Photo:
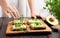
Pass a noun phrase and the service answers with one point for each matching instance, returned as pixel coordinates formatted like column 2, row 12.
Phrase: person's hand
column 11, row 11
column 35, row 15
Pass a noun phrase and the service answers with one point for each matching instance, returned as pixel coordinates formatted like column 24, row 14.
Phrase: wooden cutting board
column 10, row 31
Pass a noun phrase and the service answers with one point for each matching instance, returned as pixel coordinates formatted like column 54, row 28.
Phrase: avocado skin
column 48, row 23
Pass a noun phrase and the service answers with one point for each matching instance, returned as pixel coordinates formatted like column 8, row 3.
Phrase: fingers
column 33, row 16
column 38, row 16
column 11, row 13
column 43, row 18
column 8, row 14
column 17, row 13
column 14, row 12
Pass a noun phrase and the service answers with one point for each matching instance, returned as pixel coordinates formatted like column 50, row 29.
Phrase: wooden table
column 4, row 22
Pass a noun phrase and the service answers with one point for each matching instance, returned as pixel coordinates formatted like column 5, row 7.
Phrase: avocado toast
column 19, row 27
column 35, row 24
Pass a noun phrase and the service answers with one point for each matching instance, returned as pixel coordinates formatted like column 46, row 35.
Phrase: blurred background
column 23, row 7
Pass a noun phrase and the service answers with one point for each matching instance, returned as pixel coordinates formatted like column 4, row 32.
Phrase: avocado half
column 52, row 20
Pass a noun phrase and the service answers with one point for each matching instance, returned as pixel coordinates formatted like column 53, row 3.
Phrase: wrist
column 3, row 3
column 32, row 12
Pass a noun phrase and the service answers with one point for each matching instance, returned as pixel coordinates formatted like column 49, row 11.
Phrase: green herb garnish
column 54, row 7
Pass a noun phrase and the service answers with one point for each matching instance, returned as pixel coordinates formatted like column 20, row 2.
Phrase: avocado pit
column 51, row 19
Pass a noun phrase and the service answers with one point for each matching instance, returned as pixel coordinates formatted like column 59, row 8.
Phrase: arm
column 3, row 2
column 9, row 10
column 33, row 12
column 31, row 4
